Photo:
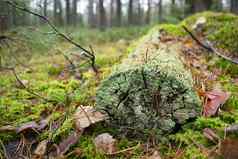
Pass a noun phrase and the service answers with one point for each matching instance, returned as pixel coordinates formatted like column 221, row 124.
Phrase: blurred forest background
column 104, row 14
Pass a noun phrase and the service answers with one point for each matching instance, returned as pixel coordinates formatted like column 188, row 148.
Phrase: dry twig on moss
column 209, row 47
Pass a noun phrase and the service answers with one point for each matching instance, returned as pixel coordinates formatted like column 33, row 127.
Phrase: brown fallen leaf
column 68, row 142
column 105, row 143
column 229, row 148
column 214, row 100
column 156, row 155
column 41, row 149
column 86, row 116
column 211, row 135
column 27, row 126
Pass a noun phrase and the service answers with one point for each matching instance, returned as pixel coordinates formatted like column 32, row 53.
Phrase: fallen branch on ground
column 208, row 46
column 90, row 55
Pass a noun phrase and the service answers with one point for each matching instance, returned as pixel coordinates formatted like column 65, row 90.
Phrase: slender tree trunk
column 234, row 6
column 58, row 12
column 102, row 15
column 130, row 12
column 91, row 15
column 118, row 13
column 111, row 23
column 45, row 6
column 75, row 12
column 67, row 12
column 160, row 11
column 148, row 13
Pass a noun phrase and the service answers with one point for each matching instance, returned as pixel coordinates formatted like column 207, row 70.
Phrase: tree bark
column 130, row 12
column 118, row 13
column 148, row 13
column 160, row 11
column 67, row 12
column 151, row 89
column 112, row 10
column 91, row 15
column 58, row 13
column 75, row 12
column 45, row 6
column 234, row 6
column 102, row 15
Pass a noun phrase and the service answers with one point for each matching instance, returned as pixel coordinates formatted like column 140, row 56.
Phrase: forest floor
column 42, row 72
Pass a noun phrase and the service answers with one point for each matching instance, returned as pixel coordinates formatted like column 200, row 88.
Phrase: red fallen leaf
column 214, row 99
column 211, row 135
column 229, row 148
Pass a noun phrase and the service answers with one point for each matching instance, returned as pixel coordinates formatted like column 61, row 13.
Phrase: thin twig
column 125, row 150
column 86, row 52
column 209, row 47
column 86, row 114
column 4, row 149
column 22, row 84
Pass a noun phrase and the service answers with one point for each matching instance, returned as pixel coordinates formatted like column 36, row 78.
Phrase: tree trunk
column 45, row 5
column 102, row 15
column 118, row 13
column 234, row 6
column 58, row 13
column 130, row 12
column 111, row 13
column 148, row 13
column 91, row 15
column 75, row 12
column 150, row 90
column 160, row 11
column 67, row 12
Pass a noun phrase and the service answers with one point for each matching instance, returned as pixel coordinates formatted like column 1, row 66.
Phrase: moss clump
column 172, row 29
column 220, row 28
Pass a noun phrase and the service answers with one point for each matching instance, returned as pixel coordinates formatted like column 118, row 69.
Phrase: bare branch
column 86, row 52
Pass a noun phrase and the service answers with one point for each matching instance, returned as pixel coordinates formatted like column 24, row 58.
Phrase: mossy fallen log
column 151, row 89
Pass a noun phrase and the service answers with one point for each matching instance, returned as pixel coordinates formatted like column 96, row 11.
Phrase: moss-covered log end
column 150, row 90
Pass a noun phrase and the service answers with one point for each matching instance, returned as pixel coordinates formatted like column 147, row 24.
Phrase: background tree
column 118, row 13
column 234, row 6
column 102, row 15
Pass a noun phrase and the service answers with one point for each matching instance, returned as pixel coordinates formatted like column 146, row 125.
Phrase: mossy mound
column 220, row 28
column 150, row 90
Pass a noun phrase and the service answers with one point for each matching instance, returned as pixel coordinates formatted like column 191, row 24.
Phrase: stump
column 151, row 89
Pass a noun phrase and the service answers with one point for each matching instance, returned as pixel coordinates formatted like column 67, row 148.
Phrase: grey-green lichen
column 150, row 89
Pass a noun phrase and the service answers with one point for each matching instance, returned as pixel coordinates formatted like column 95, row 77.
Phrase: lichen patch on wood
column 150, row 89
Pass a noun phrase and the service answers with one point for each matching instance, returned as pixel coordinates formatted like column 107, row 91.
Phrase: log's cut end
column 151, row 89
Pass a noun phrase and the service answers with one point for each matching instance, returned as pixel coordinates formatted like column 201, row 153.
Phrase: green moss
column 227, row 67
column 55, row 69
column 220, row 28
column 174, row 30
column 57, row 94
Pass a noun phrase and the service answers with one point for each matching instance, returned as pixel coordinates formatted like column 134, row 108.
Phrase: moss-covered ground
column 47, row 72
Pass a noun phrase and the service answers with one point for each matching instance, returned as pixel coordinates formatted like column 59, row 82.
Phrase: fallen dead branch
column 89, row 54
column 208, row 46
